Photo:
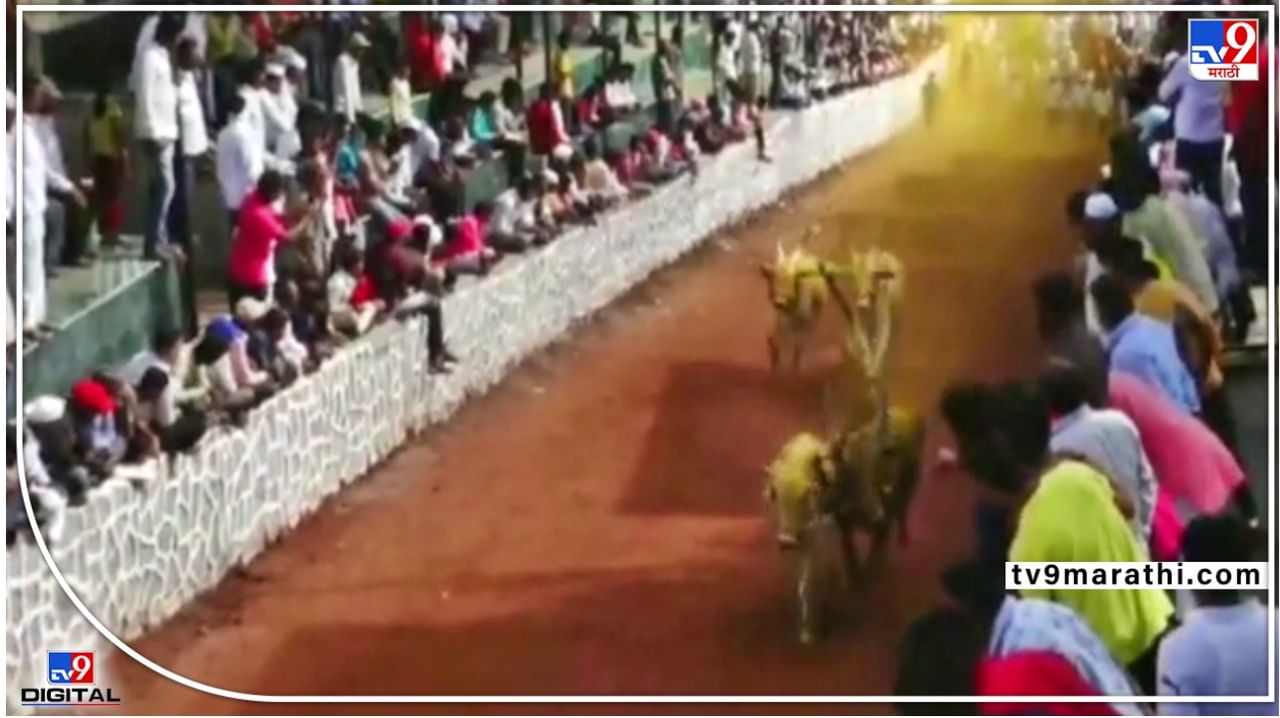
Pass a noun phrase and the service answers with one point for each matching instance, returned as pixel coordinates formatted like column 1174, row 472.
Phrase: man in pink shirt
column 260, row 228
column 1189, row 461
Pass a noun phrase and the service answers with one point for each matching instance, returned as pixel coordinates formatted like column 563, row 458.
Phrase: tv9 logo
column 70, row 668
column 1222, row 50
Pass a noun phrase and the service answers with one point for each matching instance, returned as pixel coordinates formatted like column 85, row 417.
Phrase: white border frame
column 123, row 647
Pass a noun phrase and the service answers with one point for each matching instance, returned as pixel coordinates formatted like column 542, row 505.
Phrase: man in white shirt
column 35, row 200
column 727, row 61
column 1198, row 126
column 348, row 98
column 240, row 159
column 279, row 110
column 193, row 138
column 156, row 127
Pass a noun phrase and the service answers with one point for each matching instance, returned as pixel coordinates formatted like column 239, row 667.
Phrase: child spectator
column 400, row 98
column 351, row 310
column 598, row 181
column 109, row 158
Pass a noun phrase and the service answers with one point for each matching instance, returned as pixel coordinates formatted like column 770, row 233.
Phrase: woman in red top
column 260, row 228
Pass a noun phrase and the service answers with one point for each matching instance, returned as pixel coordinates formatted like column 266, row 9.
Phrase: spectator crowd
column 1123, row 447
column 345, row 195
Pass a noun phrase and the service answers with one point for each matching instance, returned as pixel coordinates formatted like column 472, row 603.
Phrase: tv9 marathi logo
column 1223, row 50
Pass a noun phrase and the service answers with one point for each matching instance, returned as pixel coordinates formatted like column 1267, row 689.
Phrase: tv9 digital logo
column 1223, row 50
column 70, row 668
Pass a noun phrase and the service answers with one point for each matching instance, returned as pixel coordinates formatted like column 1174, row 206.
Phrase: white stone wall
column 137, row 555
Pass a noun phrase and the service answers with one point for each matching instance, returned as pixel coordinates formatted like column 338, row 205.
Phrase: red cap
column 93, row 396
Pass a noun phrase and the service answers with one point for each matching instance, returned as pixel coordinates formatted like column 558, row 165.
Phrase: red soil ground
column 595, row 524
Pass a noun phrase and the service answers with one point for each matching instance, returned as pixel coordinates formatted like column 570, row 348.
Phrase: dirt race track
column 595, row 525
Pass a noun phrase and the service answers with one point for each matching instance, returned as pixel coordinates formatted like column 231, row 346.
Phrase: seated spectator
column 98, row 442
column 484, row 121
column 509, row 113
column 260, row 230
column 1143, row 346
column 212, row 373
column 458, row 143
column 629, row 165
column 52, row 445
column 545, row 123
column 177, row 428
column 596, row 177
column 445, row 185
column 261, row 347
column 48, row 500
column 464, row 250
column 499, row 226
column 574, row 204
column 1221, row 647
column 619, row 95
column 352, row 310
column 590, row 114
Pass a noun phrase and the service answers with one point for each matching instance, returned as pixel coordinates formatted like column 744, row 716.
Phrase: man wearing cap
column 92, row 411
column 348, row 98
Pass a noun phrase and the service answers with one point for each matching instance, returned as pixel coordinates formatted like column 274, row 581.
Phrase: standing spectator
column 727, row 78
column 240, row 160
column 156, row 127
column 1190, row 461
column 1141, row 345
column 1105, row 438
column 1073, row 513
column 1061, row 324
column 562, row 70
column 348, row 97
column 260, row 229
column 1198, row 126
column 194, row 139
column 400, row 98
column 1221, row 648
column 752, row 59
column 36, row 179
column 279, row 115
column 1248, row 124
column 109, row 163
column 64, row 225
column 666, row 91
column 1149, row 217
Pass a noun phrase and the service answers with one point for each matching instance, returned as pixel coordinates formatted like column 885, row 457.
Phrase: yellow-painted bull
column 864, row 480
column 798, row 292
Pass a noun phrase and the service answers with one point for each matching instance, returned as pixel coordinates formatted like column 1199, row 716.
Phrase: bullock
column 798, row 292
column 863, row 480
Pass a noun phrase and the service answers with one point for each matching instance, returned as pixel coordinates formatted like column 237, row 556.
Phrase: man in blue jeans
column 156, row 127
